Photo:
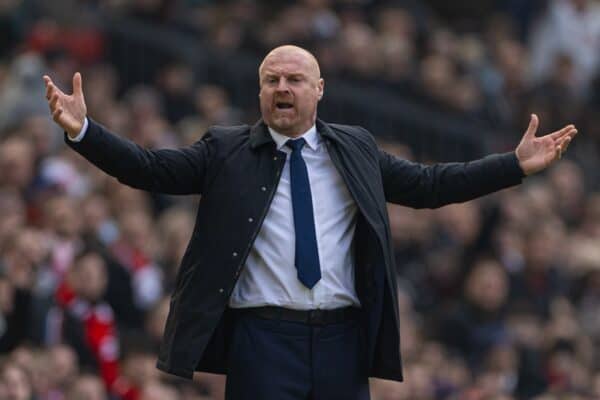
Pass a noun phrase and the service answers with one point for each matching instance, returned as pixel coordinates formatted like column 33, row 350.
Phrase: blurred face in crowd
column 487, row 285
column 137, row 229
column 6, row 296
column 87, row 387
column 16, row 163
column 63, row 365
column 12, row 212
column 139, row 368
column 157, row 391
column 580, row 5
column 16, row 383
column 61, row 216
column 95, row 211
column 290, row 88
column 89, row 277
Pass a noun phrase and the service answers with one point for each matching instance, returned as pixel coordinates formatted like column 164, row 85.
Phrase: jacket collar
column 325, row 130
column 259, row 133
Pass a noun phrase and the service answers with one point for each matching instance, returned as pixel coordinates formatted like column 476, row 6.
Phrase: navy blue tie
column 307, row 254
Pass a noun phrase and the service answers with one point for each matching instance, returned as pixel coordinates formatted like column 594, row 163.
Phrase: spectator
column 477, row 325
column 15, row 384
column 87, row 387
column 571, row 29
column 89, row 324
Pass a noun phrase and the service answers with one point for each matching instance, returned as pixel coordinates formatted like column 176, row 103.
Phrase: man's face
column 89, row 277
column 290, row 88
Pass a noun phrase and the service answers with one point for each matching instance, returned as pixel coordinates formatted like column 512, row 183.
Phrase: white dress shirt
column 270, row 276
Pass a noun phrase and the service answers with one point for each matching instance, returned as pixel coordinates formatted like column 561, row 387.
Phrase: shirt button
column 221, row 290
column 250, row 219
column 275, row 158
column 264, row 188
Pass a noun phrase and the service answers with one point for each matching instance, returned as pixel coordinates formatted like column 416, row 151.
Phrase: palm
column 68, row 111
column 536, row 153
column 539, row 151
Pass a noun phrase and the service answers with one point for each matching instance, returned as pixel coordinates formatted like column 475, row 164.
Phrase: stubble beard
column 286, row 125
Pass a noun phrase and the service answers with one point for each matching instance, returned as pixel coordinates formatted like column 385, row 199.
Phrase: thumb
column 533, row 126
column 77, row 85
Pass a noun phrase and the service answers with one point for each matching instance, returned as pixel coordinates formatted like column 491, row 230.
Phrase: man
column 288, row 283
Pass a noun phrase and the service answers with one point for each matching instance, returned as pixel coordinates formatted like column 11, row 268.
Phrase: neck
column 293, row 132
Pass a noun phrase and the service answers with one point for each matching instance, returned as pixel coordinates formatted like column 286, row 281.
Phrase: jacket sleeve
column 171, row 171
column 423, row 186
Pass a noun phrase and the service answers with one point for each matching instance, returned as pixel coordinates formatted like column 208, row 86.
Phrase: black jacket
column 236, row 170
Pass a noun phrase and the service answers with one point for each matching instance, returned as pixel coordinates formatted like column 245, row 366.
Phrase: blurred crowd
column 499, row 297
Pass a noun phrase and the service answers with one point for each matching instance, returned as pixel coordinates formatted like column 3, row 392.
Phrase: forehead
column 289, row 63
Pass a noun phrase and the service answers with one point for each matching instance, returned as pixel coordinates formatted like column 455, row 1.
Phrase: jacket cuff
column 512, row 166
column 85, row 136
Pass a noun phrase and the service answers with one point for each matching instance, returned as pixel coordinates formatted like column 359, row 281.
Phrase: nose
column 282, row 85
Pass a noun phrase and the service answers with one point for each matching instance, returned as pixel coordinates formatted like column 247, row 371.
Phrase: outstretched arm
column 422, row 186
column 178, row 171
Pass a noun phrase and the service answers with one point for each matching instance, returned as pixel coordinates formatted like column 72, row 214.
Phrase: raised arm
column 179, row 171
column 422, row 186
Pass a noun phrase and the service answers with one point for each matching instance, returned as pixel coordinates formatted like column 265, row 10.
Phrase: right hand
column 68, row 111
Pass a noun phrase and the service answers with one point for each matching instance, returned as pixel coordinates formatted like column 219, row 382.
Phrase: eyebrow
column 291, row 75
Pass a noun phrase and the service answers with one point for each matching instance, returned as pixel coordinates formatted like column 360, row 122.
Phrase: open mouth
column 282, row 105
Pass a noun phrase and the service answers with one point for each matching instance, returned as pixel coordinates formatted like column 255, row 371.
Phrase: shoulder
column 353, row 133
column 223, row 138
column 353, row 130
column 228, row 133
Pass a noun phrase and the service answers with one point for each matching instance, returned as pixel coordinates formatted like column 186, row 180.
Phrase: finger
column 563, row 146
column 52, row 90
column 47, row 80
column 49, row 90
column 565, row 143
column 562, row 132
column 568, row 134
column 77, row 85
column 51, row 87
column 56, row 114
column 533, row 126
column 557, row 153
column 53, row 101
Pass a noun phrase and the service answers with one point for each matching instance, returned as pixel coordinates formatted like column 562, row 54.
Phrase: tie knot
column 296, row 144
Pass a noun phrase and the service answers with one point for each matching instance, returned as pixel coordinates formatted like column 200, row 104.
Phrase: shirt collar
column 311, row 137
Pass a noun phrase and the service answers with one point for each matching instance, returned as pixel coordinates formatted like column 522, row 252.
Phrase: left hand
column 536, row 153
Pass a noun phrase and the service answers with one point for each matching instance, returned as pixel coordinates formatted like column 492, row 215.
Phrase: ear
column 321, row 88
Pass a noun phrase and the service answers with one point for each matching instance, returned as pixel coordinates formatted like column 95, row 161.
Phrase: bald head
column 295, row 53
